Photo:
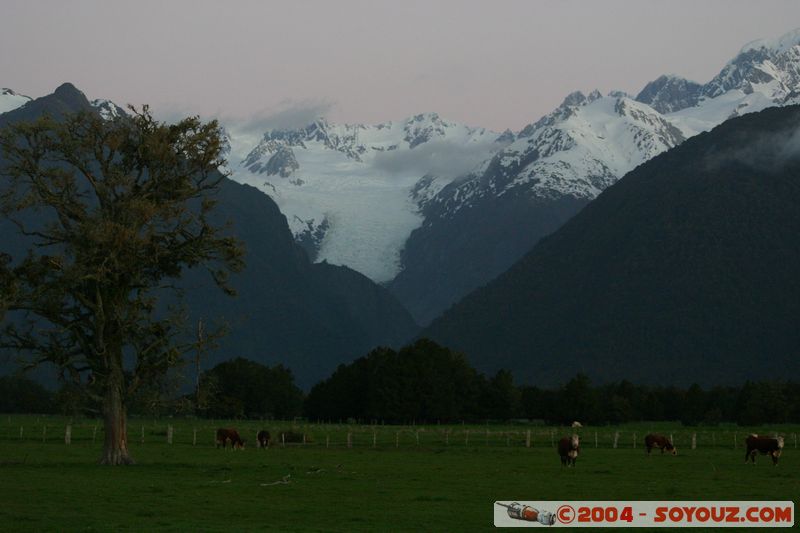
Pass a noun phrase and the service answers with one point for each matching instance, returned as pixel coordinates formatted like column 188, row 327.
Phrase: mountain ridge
column 311, row 317
column 683, row 271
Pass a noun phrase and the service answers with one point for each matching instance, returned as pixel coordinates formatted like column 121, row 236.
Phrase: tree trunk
column 115, row 447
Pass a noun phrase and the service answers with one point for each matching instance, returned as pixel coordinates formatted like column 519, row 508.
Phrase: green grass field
column 385, row 482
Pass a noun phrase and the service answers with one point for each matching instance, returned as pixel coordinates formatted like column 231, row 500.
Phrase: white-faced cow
column 654, row 440
column 225, row 435
column 568, row 448
column 763, row 445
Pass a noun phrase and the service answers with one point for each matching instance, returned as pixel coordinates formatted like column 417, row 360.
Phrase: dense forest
column 425, row 382
column 684, row 271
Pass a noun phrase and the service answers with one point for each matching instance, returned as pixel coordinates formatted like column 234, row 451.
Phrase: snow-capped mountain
column 670, row 93
column 10, row 100
column 579, row 149
column 435, row 208
column 352, row 192
column 571, row 155
column 589, row 142
column 107, row 109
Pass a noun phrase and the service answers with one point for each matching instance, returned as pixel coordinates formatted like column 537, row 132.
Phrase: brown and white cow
column 654, row 440
column 568, row 448
column 263, row 438
column 763, row 445
column 225, row 435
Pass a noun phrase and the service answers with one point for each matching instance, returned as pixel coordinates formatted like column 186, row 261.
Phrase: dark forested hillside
column 310, row 317
column 454, row 256
column 684, row 271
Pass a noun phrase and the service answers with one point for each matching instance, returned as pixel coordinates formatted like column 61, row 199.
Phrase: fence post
column 671, row 439
column 194, row 437
column 528, row 439
column 694, row 441
column 142, row 433
column 283, row 439
column 595, row 439
column 616, row 438
column 68, row 434
column 94, row 433
column 169, row 434
column 634, row 440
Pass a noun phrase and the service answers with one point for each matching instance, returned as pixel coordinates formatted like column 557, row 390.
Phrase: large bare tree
column 114, row 212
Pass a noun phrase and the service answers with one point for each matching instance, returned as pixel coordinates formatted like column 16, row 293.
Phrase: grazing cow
column 764, row 445
column 654, row 440
column 568, row 448
column 263, row 438
column 229, row 434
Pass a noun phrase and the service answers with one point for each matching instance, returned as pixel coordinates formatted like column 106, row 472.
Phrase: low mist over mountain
column 434, row 209
column 477, row 226
column 352, row 192
column 308, row 316
column 684, row 271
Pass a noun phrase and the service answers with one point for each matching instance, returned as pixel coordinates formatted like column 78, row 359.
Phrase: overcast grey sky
column 499, row 64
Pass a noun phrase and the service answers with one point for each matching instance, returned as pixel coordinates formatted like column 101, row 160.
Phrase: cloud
column 769, row 152
column 288, row 115
column 441, row 158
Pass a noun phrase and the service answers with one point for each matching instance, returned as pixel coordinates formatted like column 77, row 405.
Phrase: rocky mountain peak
column 669, row 93
column 771, row 66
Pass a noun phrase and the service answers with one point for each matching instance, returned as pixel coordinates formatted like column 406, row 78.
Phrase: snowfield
column 348, row 188
column 353, row 194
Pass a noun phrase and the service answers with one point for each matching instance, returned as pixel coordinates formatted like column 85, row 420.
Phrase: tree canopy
column 421, row 382
column 114, row 211
column 243, row 388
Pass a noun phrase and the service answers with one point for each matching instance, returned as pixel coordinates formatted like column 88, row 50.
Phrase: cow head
column 780, row 442
column 574, row 442
column 671, row 449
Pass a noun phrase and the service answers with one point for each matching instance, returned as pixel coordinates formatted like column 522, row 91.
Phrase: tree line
column 428, row 383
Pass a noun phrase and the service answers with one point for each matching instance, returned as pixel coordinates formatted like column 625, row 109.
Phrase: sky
column 497, row 64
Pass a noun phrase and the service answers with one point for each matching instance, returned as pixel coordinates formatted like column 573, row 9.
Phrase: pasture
column 391, row 478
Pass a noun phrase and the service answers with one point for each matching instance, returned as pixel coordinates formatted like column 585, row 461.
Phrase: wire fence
column 330, row 435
